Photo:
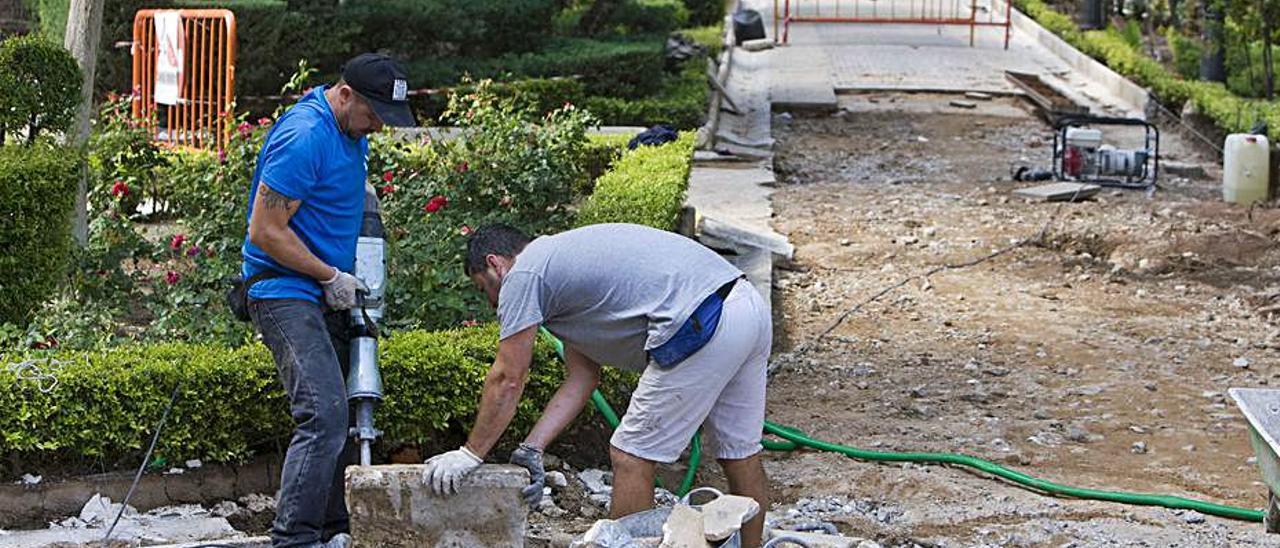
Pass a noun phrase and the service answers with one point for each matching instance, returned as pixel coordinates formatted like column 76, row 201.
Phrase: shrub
column 39, row 86
column 1186, row 53
column 646, row 186
column 106, row 402
column 37, row 192
column 705, row 12
column 618, row 68
column 638, row 17
column 534, row 96
column 504, row 169
column 681, row 103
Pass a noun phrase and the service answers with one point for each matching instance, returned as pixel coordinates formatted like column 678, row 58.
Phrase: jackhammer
column 364, row 382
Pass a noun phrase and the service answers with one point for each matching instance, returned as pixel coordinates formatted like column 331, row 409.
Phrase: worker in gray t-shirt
column 636, row 298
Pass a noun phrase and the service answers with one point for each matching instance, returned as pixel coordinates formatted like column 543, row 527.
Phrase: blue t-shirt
column 307, row 157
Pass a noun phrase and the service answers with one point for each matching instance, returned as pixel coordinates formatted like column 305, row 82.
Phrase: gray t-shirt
column 612, row 291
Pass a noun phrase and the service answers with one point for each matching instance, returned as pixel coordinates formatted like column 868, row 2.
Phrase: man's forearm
column 285, row 247
column 564, row 406
column 497, row 407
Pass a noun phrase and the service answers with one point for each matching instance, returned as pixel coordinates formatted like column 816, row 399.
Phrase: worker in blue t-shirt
column 306, row 205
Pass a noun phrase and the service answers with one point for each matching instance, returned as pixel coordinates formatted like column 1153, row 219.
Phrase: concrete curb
column 1136, row 96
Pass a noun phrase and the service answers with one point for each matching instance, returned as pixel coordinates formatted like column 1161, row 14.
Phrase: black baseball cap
column 382, row 82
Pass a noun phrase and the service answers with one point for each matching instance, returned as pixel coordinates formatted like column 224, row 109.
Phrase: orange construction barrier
column 184, row 75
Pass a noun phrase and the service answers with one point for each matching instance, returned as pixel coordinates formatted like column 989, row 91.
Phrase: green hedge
column 646, row 186
column 705, row 12
column 107, row 402
column 626, row 68
column 39, row 87
column 37, row 193
column 1230, row 112
column 681, row 103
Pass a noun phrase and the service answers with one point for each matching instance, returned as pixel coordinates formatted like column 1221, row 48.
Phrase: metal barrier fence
column 184, row 75
column 920, row 12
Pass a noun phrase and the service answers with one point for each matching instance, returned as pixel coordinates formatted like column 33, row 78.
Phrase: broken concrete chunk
column 596, row 481
column 963, row 104
column 812, row 540
column 978, row 95
column 1059, row 192
column 606, row 533
column 724, row 516
column 683, row 528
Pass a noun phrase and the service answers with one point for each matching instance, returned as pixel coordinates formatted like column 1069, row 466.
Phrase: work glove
column 445, row 470
column 340, row 290
column 530, row 458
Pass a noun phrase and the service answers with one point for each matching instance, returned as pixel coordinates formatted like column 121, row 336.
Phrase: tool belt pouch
column 238, row 293
column 695, row 333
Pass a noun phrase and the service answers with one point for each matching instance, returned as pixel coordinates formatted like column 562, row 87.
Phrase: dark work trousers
column 311, row 347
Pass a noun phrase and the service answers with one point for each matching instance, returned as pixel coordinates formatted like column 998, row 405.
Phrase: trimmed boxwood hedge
column 646, row 186
column 37, row 193
column 1229, row 111
column 106, row 403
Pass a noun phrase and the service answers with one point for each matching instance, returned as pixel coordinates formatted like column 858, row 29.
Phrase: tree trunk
column 84, row 29
column 1268, row 67
column 1213, row 65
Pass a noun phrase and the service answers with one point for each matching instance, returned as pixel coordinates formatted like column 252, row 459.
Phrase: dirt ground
column 1099, row 357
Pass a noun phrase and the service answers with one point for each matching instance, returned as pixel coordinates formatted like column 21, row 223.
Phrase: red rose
column 462, row 167
column 171, row 277
column 177, row 241
column 388, row 176
column 245, row 129
column 119, row 189
column 388, row 189
column 465, row 230
column 436, row 204
column 264, row 121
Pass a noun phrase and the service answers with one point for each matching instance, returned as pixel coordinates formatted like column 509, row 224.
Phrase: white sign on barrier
column 170, row 45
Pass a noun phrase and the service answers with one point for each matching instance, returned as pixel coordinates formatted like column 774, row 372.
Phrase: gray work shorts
column 721, row 388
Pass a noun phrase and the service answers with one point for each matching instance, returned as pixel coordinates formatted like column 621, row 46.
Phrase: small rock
column 1241, row 362
column 596, row 481
column 1078, row 434
column 1042, row 414
column 724, row 516
column 684, row 528
column 605, row 533
column 845, row 242
column 224, row 509
column 1139, row 448
column 557, row 480
column 28, row 479
column 922, row 139
column 601, row 500
column 1192, row 516
column 194, row 463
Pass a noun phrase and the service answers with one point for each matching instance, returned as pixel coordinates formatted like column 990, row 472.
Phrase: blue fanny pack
column 695, row 332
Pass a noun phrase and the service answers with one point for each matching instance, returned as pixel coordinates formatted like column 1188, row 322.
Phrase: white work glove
column 340, row 290
column 446, row 469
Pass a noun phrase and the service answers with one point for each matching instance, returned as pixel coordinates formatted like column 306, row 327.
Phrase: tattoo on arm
column 273, row 199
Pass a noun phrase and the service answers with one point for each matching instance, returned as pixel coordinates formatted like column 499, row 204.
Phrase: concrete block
column 684, row 529
column 1059, row 192
column 391, row 506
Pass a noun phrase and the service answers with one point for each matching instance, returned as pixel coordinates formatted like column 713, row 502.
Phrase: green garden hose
column 793, row 439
